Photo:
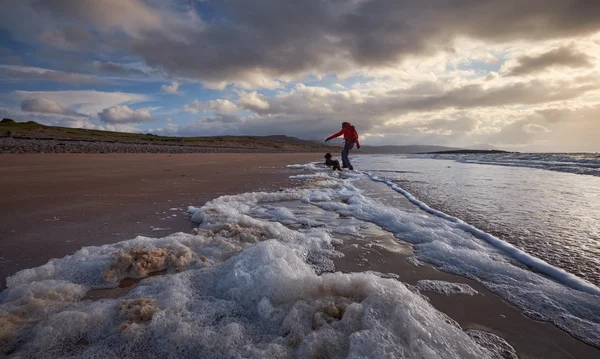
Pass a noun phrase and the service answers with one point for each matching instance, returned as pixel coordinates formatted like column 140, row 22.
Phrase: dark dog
column 332, row 163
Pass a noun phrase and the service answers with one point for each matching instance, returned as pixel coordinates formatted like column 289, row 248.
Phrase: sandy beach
column 54, row 204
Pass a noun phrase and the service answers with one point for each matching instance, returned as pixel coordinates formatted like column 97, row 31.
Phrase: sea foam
column 567, row 301
column 250, row 282
column 539, row 265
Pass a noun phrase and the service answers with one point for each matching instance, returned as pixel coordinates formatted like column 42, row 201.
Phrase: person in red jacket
column 350, row 138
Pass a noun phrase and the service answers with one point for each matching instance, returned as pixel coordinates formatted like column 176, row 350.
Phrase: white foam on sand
column 497, row 345
column 244, row 285
column 539, row 265
column 456, row 247
column 445, row 288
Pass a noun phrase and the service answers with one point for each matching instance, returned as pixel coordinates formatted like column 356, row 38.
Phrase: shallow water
column 550, row 214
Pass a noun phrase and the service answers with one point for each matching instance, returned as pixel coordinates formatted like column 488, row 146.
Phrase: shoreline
column 55, row 204
column 136, row 192
column 484, row 311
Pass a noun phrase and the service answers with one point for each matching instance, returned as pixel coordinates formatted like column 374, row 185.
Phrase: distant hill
column 467, row 152
column 482, row 147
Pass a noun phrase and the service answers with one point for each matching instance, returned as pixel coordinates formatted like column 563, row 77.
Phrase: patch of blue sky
column 351, row 81
column 211, row 10
column 9, row 45
column 195, row 91
column 480, row 67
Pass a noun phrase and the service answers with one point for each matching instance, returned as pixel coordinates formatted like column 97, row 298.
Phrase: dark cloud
column 44, row 105
column 115, row 68
column 276, row 37
column 563, row 56
column 76, row 34
column 71, row 37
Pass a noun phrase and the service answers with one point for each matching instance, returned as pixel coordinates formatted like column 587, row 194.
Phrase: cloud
column 219, row 106
column 461, row 125
column 195, row 107
column 172, row 88
column 88, row 102
column 130, row 16
column 423, row 113
column 115, row 68
column 44, row 105
column 504, row 129
column 123, row 114
column 568, row 114
column 252, row 44
column 560, row 57
column 534, row 128
column 524, row 93
column 222, row 107
column 554, row 129
column 253, row 101
column 70, row 37
column 406, row 71
column 76, row 34
column 40, row 74
column 375, row 107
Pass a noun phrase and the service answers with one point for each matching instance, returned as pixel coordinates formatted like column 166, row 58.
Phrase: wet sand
column 484, row 311
column 53, row 204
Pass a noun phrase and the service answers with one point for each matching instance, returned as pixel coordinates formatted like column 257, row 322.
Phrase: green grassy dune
column 35, row 130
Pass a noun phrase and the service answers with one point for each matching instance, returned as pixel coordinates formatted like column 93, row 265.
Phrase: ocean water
column 579, row 163
column 543, row 204
column 257, row 280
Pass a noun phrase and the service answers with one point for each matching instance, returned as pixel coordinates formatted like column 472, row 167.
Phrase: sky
column 512, row 74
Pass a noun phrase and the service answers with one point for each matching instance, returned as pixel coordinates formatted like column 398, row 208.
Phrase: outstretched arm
column 336, row 135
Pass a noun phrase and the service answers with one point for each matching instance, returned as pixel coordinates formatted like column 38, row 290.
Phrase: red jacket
column 350, row 134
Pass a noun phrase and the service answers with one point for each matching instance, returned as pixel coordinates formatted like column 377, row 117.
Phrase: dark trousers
column 345, row 161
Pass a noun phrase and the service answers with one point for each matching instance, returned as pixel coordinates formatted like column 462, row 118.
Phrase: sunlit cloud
column 404, row 72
